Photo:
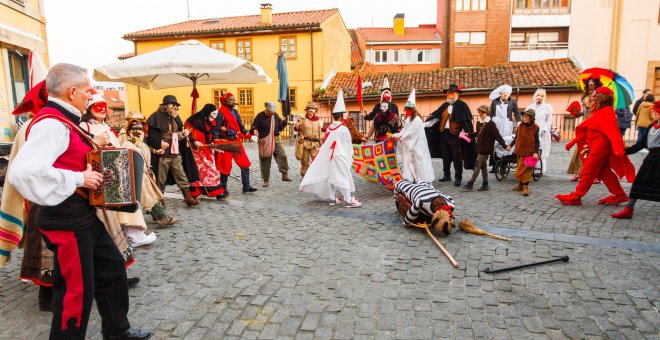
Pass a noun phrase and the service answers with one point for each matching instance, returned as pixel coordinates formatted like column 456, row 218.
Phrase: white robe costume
column 331, row 168
column 414, row 150
column 544, row 120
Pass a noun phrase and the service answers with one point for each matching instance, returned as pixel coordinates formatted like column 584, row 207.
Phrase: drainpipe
column 615, row 37
column 311, row 42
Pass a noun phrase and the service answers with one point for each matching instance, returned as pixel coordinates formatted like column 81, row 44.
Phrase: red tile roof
column 126, row 56
column 232, row 24
column 552, row 72
column 383, row 34
column 356, row 53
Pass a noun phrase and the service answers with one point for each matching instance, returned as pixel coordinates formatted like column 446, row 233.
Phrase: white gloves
column 254, row 139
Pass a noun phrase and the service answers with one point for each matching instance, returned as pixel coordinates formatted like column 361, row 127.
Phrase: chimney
column 399, row 28
column 266, row 14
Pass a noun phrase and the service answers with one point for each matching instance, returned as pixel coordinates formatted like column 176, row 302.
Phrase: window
column 293, row 97
column 18, row 73
column 424, row 56
column 217, row 44
column 244, row 49
column 470, row 38
column 470, row 5
column 216, row 94
column 380, row 57
column 246, row 103
column 541, row 6
column 288, row 47
column 548, row 36
column 518, row 39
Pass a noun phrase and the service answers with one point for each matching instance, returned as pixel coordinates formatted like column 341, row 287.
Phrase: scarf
column 267, row 144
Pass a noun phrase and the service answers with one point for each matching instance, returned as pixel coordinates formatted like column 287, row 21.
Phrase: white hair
column 62, row 77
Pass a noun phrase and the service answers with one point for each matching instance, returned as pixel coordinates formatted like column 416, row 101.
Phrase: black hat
column 170, row 99
column 453, row 88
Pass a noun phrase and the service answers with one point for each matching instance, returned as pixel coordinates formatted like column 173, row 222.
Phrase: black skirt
column 647, row 182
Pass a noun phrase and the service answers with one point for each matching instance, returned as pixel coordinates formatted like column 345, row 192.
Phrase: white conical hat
column 386, row 84
column 411, row 100
column 340, row 107
column 496, row 92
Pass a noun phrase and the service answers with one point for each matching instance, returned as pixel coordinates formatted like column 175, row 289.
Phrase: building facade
column 399, row 48
column 313, row 42
column 22, row 29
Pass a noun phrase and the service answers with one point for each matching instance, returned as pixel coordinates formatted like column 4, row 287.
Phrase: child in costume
column 331, row 168
column 526, row 144
column 486, row 135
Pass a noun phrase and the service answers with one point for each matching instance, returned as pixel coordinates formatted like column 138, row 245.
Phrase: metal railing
column 538, row 45
column 564, row 123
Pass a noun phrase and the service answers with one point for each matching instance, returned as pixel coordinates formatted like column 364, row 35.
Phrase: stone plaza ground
column 281, row 264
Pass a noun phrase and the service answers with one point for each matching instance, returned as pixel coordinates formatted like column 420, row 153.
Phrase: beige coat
column 644, row 115
column 311, row 129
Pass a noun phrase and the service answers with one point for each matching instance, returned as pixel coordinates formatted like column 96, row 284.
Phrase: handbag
column 267, row 144
column 530, row 161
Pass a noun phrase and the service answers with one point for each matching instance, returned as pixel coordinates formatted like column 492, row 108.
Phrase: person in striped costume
column 422, row 203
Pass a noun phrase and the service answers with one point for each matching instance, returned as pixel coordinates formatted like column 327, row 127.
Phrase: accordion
column 122, row 171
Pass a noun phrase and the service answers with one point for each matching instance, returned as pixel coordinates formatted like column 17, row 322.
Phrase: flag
column 283, row 94
column 358, row 92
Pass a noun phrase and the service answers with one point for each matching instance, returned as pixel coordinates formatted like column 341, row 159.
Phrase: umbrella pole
column 192, row 94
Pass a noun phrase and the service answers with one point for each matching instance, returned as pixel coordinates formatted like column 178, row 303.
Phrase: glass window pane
column 482, row 5
column 475, row 5
column 462, row 37
column 549, row 36
column 477, row 38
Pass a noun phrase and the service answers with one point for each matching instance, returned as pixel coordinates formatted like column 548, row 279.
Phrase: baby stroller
column 508, row 161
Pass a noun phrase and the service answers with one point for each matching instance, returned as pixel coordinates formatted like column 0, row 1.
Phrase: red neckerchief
column 656, row 124
column 327, row 132
column 230, row 119
column 447, row 208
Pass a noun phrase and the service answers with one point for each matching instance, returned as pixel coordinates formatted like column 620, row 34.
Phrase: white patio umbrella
column 186, row 63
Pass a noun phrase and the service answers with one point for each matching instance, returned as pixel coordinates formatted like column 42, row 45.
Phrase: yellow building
column 22, row 29
column 314, row 43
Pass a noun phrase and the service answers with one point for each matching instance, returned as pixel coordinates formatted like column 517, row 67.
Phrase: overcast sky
column 88, row 33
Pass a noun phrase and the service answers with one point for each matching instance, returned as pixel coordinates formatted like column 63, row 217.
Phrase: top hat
column 170, row 99
column 453, row 88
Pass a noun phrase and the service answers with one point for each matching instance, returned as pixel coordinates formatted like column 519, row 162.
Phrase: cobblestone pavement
column 280, row 264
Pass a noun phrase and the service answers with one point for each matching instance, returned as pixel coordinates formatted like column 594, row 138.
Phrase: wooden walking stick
column 444, row 251
column 469, row 227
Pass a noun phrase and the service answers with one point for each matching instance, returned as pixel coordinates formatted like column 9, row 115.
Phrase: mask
column 136, row 137
column 100, row 107
column 408, row 112
column 384, row 107
column 540, row 99
column 213, row 115
column 387, row 96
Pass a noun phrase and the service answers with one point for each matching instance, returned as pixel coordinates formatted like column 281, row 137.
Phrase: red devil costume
column 230, row 128
column 603, row 157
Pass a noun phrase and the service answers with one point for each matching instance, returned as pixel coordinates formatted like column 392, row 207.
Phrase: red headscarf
column 34, row 100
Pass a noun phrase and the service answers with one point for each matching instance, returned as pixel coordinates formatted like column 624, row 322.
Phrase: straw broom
column 468, row 226
column 444, row 251
column 233, row 148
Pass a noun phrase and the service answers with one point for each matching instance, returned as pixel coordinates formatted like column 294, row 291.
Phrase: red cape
column 604, row 121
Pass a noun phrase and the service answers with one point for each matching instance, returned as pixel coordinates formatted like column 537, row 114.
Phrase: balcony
column 540, row 20
column 537, row 51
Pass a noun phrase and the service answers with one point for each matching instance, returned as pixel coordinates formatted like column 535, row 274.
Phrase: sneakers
column 575, row 178
column 336, row 201
column 353, row 204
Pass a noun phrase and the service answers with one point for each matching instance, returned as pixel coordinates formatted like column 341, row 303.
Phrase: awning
column 20, row 38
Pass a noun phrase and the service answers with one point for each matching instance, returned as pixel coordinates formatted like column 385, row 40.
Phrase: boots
column 468, row 186
column 245, row 179
column 190, row 201
column 525, row 190
column 225, row 195
column 484, row 187
column 517, row 187
column 45, row 298
column 626, row 213
column 285, row 177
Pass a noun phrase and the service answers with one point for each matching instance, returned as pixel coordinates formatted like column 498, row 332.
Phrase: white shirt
column 32, row 171
column 450, row 109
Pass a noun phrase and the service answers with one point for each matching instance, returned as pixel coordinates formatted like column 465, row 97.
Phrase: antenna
column 188, row 6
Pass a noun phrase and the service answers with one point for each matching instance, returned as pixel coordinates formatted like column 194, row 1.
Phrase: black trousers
column 451, row 152
column 87, row 266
